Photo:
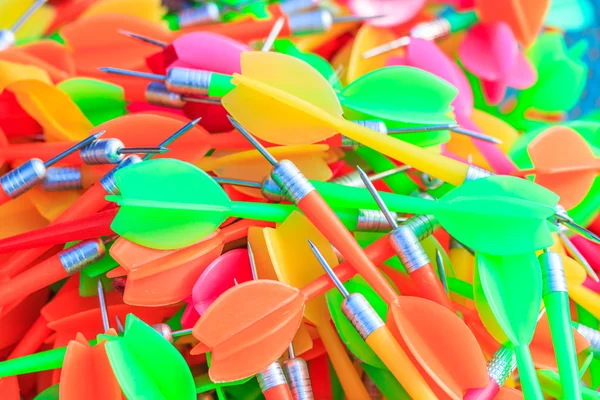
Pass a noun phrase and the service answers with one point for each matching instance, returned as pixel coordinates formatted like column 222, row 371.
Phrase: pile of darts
column 298, row 199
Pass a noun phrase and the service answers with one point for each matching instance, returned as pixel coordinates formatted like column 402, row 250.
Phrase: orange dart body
column 52, row 270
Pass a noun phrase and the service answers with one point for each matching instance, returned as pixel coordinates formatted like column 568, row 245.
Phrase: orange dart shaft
column 32, row 340
column 279, row 392
column 52, row 270
column 35, row 278
column 325, row 220
column 90, row 202
column 430, row 287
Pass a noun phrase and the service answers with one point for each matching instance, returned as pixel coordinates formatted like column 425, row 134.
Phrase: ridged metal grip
column 77, row 257
column 7, row 39
column 476, row 173
column 293, row 6
column 271, row 377
column 158, row 94
column 108, row 181
column 592, row 335
column 23, row 178
column 423, row 225
column 502, row 364
column 205, row 14
column 317, row 21
column 361, row 314
column 271, row 191
column 431, row 30
column 102, row 152
column 291, row 181
column 62, row 178
column 408, row 248
column 188, row 81
column 553, row 273
column 373, row 221
column 296, row 371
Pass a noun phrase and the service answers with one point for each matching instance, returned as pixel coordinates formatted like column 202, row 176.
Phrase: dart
column 316, row 21
column 7, row 36
column 508, row 310
column 31, row 173
column 91, row 202
column 373, row 330
column 451, row 22
column 410, row 252
column 287, row 249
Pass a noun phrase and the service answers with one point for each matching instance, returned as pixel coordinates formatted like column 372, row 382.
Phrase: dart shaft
column 389, row 351
column 530, row 383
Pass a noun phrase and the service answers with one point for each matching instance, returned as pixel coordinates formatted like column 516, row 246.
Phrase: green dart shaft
column 43, row 361
column 553, row 388
column 556, row 301
column 279, row 212
column 529, row 380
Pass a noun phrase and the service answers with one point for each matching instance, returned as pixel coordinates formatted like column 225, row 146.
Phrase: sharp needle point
column 103, row 309
column 252, row 264
column 440, row 263
column 143, row 38
column 253, row 141
column 476, row 135
column 328, row 269
column 73, row 149
column 369, row 185
column 119, row 324
column 174, row 136
column 273, row 34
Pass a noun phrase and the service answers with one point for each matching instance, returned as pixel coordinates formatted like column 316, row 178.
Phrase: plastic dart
column 191, row 206
column 316, row 21
column 410, row 252
column 374, row 331
column 273, row 382
column 31, row 173
column 7, row 36
column 502, row 280
column 163, row 329
column 437, row 28
column 91, row 202
column 287, row 249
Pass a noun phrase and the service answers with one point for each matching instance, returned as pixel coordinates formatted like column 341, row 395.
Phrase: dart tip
column 163, row 150
column 98, row 135
column 196, row 121
column 119, row 324
column 105, row 69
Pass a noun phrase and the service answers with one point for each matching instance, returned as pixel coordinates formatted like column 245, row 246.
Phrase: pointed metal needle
column 252, row 264
column 389, row 172
column 428, row 128
column 103, row 309
column 71, row 150
column 575, row 227
column 143, row 38
column 353, row 18
column 328, row 269
column 175, row 136
column 369, row 185
column 135, row 74
column 27, row 14
column 120, row 328
column 201, row 100
column 144, row 150
column 253, row 141
column 576, row 253
column 291, row 353
column 275, row 31
column 476, row 135
column 238, row 182
column 440, row 263
column 181, row 332
column 384, row 48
